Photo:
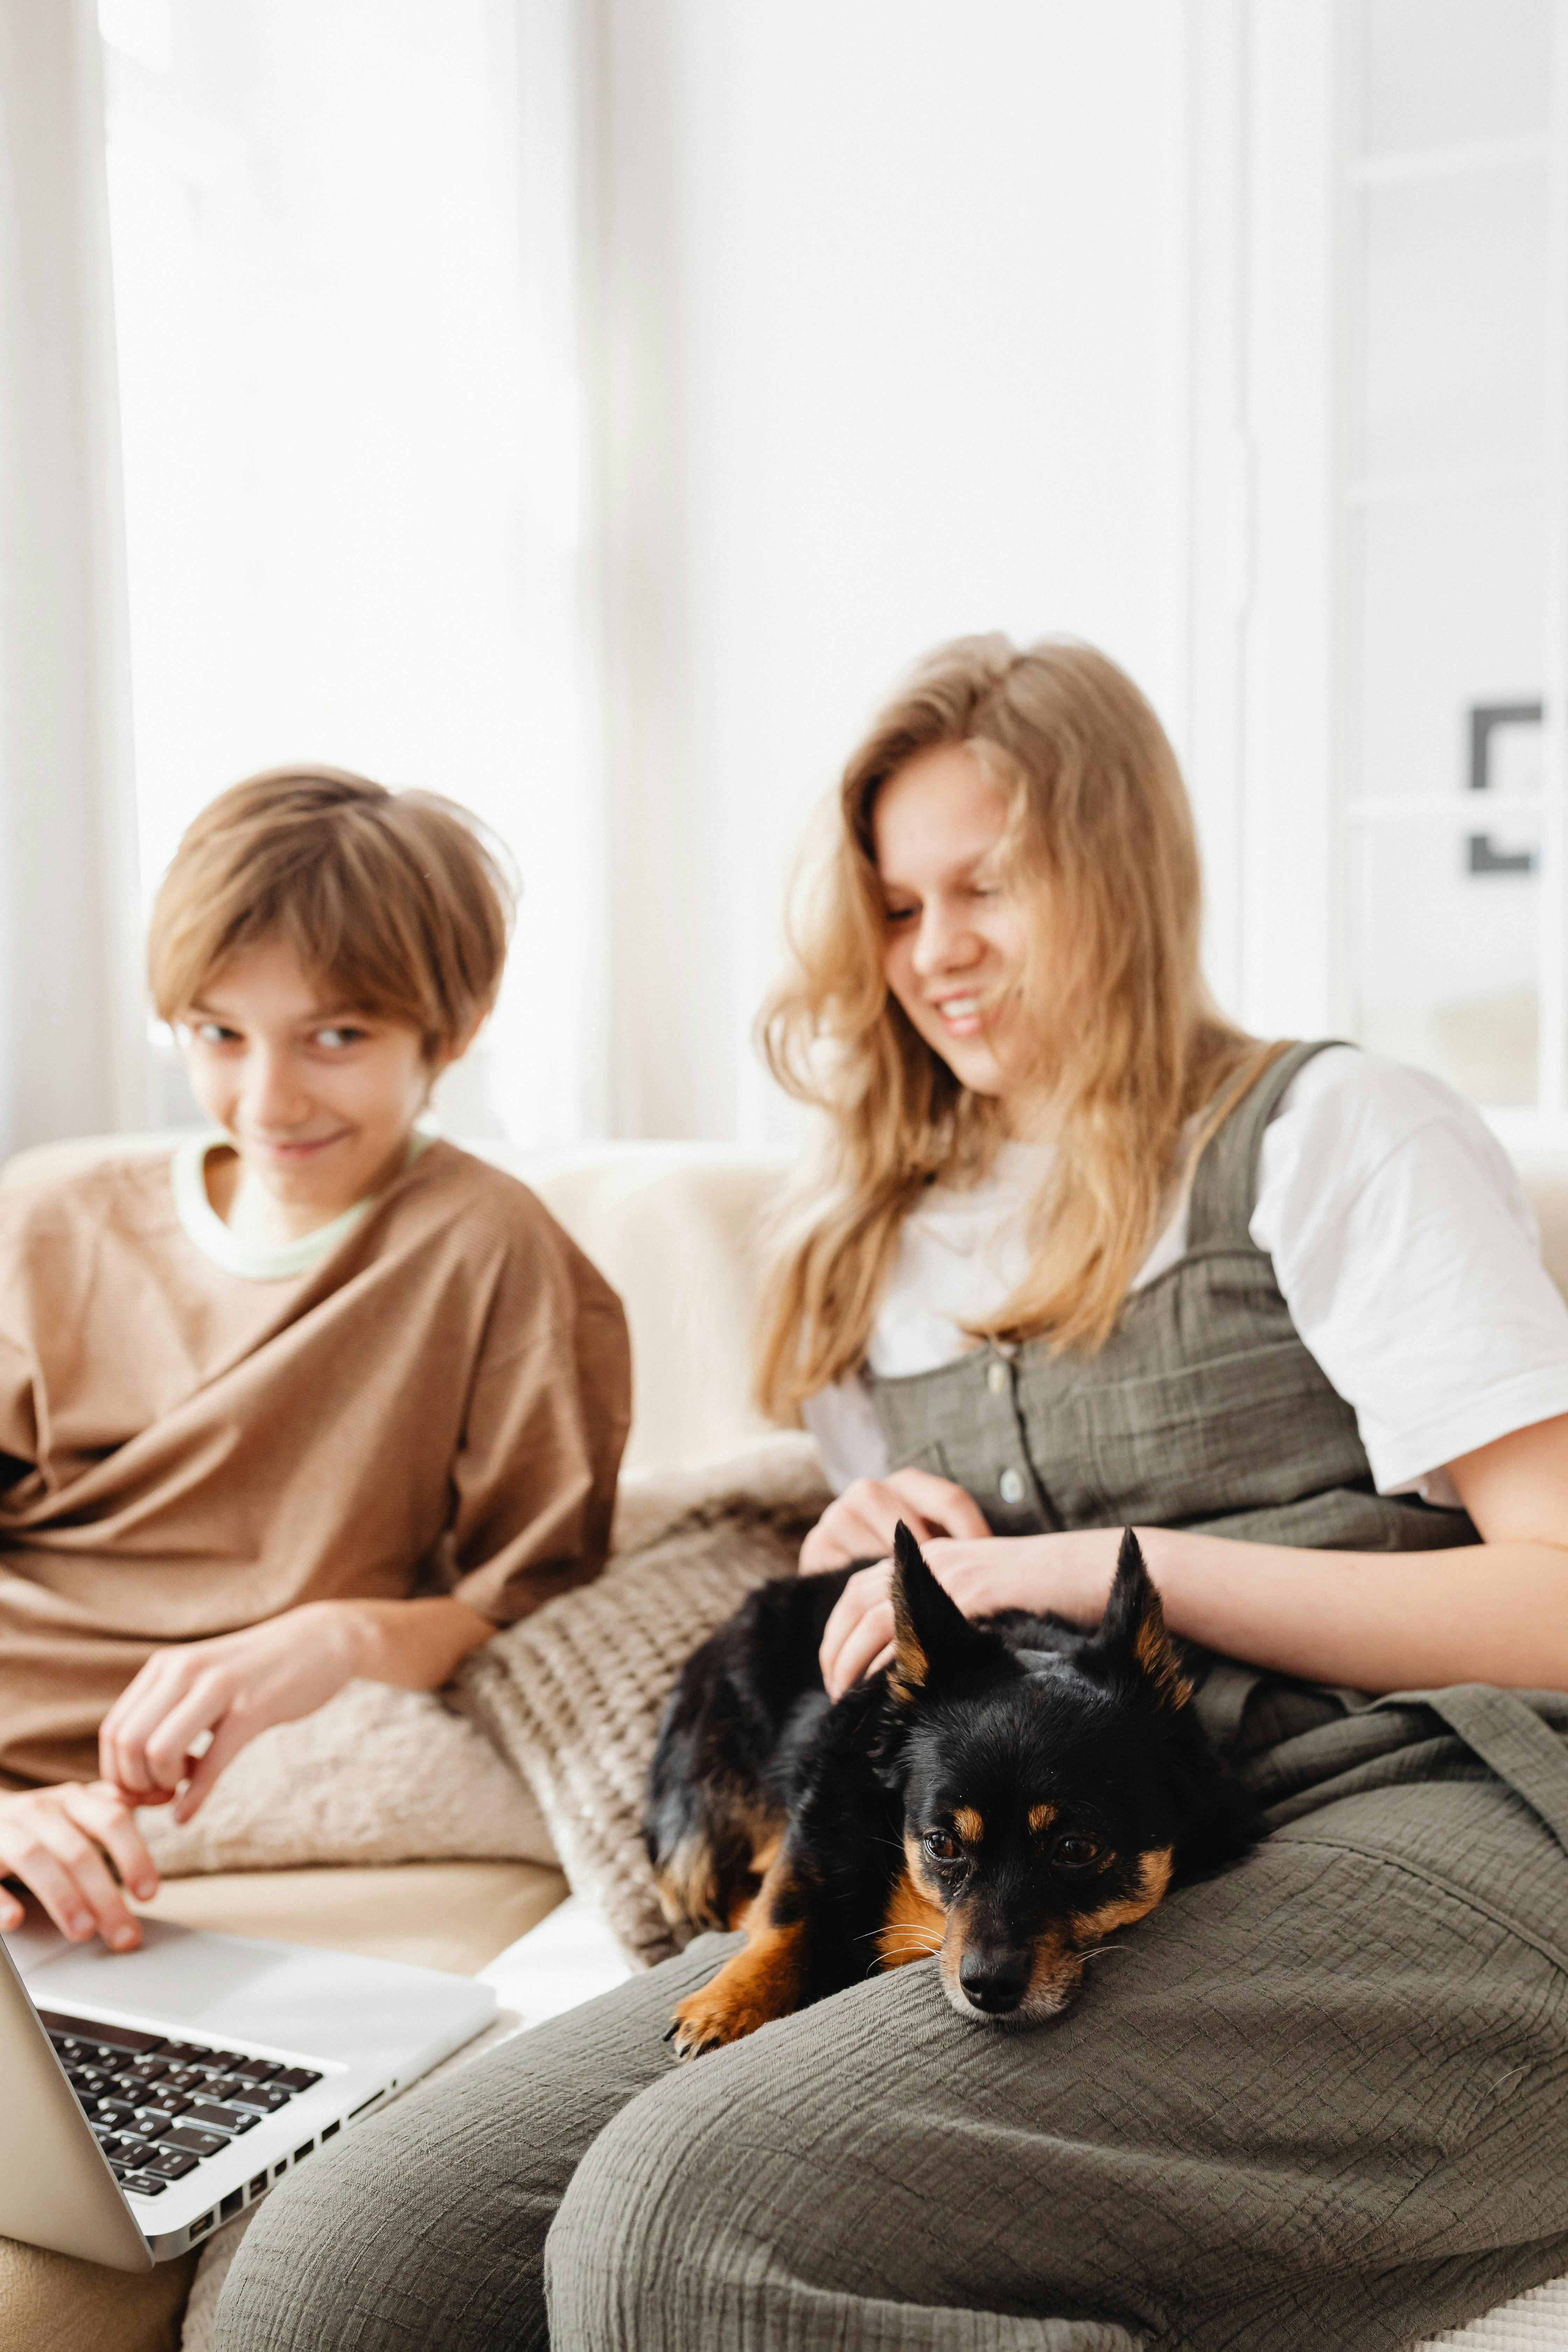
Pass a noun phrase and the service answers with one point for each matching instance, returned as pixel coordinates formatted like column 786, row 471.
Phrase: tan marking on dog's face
column 1056, row 1976
column 919, row 1869
column 764, row 1981
column 1054, row 1979
column 1154, row 1877
column 1041, row 1817
column 968, row 1824
column 913, row 1925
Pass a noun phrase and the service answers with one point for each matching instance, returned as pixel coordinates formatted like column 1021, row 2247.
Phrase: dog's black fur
column 1006, row 1794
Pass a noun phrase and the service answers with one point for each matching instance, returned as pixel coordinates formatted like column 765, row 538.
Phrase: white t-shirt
column 258, row 1261
column 1403, row 1243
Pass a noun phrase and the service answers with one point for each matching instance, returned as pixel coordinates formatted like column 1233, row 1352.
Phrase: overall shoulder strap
column 1224, row 1181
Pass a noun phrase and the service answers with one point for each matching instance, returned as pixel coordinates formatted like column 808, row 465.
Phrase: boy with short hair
column 320, row 1398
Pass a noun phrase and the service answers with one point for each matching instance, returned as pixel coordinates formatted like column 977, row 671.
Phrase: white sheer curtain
column 343, row 243
column 71, row 1026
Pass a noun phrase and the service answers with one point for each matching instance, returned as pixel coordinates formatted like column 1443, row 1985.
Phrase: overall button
column 1010, row 1486
column 996, row 1381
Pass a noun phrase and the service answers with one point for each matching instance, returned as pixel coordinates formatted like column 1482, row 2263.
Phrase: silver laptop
column 149, row 2096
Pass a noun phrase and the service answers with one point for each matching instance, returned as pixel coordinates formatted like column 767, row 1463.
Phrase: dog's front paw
column 760, row 1983
column 719, row 2013
column 704, row 2022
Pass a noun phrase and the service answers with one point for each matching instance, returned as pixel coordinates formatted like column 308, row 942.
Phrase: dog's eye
column 940, row 1847
column 1076, row 1852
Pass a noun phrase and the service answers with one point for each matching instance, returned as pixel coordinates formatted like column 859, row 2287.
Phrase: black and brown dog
column 1003, row 1795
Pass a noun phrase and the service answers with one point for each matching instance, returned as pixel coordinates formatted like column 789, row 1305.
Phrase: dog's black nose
column 994, row 1981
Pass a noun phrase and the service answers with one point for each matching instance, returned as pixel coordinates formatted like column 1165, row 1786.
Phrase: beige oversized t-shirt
column 440, row 1404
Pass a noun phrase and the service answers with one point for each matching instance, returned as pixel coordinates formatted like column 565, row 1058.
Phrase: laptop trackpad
column 239, row 1988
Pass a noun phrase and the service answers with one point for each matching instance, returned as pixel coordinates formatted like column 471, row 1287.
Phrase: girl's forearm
column 417, row 1644
column 1493, row 1613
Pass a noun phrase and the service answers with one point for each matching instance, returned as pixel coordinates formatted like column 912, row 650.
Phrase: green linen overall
column 1317, row 2104
column 1204, row 1409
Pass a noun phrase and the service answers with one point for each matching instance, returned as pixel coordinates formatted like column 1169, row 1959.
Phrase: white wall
column 891, row 304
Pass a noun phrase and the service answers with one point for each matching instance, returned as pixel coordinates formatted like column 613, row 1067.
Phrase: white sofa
column 674, row 1227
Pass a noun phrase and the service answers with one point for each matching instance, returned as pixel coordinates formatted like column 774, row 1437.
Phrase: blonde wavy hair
column 1129, row 1046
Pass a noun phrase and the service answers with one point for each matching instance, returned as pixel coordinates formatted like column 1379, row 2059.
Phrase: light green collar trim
column 256, row 1261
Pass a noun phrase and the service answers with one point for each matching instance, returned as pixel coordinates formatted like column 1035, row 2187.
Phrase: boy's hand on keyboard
column 60, row 1843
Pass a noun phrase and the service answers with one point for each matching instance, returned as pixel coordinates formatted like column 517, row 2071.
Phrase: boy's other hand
column 56, row 1841
column 192, row 1708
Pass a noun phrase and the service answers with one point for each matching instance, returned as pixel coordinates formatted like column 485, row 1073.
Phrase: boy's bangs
column 394, row 904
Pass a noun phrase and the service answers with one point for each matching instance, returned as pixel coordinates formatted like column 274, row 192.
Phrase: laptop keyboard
column 158, row 2108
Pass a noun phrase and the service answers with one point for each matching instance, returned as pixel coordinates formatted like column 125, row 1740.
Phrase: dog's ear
column 933, row 1641
column 1133, row 1630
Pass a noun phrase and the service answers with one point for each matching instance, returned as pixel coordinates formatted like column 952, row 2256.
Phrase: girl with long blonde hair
column 1100, row 1018
column 1086, row 1255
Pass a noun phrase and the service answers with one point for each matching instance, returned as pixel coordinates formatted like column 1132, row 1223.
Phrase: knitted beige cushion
column 572, row 1696
column 377, row 1775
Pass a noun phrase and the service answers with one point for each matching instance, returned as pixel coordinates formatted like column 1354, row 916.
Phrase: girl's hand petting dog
column 1069, row 1575
column 60, row 1842
column 860, row 1523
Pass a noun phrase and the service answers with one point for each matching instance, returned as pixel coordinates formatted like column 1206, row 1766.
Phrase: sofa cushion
column 572, row 1695
column 377, row 1775
column 675, row 1227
